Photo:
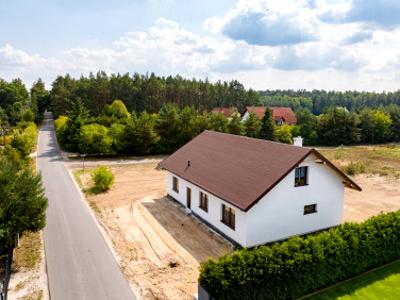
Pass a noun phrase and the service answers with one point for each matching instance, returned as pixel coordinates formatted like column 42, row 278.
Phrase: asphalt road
column 80, row 264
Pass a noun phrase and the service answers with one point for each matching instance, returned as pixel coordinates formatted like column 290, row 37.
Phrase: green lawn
column 382, row 284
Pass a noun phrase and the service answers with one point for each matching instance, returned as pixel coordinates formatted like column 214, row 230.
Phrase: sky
column 265, row 44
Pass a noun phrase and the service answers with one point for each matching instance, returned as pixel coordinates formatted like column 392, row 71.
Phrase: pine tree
column 268, row 126
column 252, row 126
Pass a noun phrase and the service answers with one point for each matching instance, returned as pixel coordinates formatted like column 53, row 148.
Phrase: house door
column 188, row 197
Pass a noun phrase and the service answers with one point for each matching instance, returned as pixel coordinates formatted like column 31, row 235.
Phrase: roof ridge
column 258, row 139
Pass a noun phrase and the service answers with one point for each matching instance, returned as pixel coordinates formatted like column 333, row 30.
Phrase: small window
column 175, row 184
column 310, row 209
column 300, row 176
column 228, row 216
column 203, row 201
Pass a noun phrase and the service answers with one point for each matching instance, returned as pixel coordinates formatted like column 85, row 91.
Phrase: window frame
column 175, row 184
column 203, row 201
column 314, row 209
column 231, row 222
column 299, row 182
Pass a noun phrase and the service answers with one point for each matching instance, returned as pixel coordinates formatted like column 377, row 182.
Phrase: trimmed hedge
column 301, row 265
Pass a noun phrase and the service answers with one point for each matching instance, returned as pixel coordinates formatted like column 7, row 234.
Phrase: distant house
column 226, row 111
column 255, row 191
column 282, row 115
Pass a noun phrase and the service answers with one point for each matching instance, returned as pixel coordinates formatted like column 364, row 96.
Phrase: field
column 377, row 170
column 378, row 160
column 383, row 283
column 158, row 244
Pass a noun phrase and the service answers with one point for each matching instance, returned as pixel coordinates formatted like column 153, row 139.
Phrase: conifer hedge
column 301, row 265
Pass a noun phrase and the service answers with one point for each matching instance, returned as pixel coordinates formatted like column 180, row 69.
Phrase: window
column 310, row 209
column 300, row 176
column 175, row 184
column 228, row 216
column 203, row 201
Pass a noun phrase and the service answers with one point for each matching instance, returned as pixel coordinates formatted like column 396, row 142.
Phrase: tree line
column 22, row 202
column 17, row 103
column 117, row 131
column 318, row 101
column 148, row 92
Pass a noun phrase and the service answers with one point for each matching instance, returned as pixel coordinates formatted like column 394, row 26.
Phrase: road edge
column 135, row 289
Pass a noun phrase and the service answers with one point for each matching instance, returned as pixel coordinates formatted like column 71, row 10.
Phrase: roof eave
column 348, row 181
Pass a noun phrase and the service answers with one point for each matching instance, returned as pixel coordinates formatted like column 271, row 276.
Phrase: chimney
column 298, row 141
column 188, row 163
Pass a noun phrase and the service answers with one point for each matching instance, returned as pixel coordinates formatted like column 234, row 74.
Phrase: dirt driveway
column 151, row 233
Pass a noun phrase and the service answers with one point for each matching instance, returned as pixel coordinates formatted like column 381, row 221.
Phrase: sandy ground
column 30, row 283
column 379, row 194
column 73, row 161
column 150, row 232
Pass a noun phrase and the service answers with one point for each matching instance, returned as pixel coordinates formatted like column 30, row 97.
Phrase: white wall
column 213, row 216
column 279, row 214
column 245, row 116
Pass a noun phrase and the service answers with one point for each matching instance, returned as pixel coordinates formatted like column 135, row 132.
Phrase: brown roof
column 226, row 111
column 259, row 111
column 237, row 169
column 286, row 113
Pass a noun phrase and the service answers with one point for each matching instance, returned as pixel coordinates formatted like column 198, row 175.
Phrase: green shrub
column 283, row 133
column 94, row 139
column 301, row 265
column 102, row 178
column 60, row 125
column 25, row 140
column 354, row 168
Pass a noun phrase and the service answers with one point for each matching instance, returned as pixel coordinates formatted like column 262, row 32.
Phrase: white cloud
column 352, row 55
column 270, row 23
column 18, row 63
column 317, row 57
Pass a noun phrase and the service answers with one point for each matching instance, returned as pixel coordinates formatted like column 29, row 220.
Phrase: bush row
column 301, row 265
column 24, row 138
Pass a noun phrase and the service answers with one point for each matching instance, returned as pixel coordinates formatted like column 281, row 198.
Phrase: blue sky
column 330, row 44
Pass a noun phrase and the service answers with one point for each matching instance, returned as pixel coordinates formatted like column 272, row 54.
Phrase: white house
column 255, row 191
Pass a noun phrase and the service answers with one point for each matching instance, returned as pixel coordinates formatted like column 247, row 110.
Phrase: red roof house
column 282, row 115
column 226, row 111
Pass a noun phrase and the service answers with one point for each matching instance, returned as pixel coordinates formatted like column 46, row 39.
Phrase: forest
column 318, row 101
column 116, row 114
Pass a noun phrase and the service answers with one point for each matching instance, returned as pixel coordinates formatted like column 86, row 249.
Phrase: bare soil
column 29, row 280
column 151, row 232
column 379, row 194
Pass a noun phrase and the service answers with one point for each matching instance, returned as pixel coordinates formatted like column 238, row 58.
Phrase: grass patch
column 383, row 283
column 95, row 207
column 27, row 254
column 36, row 295
column 383, row 160
column 87, row 190
column 77, row 176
